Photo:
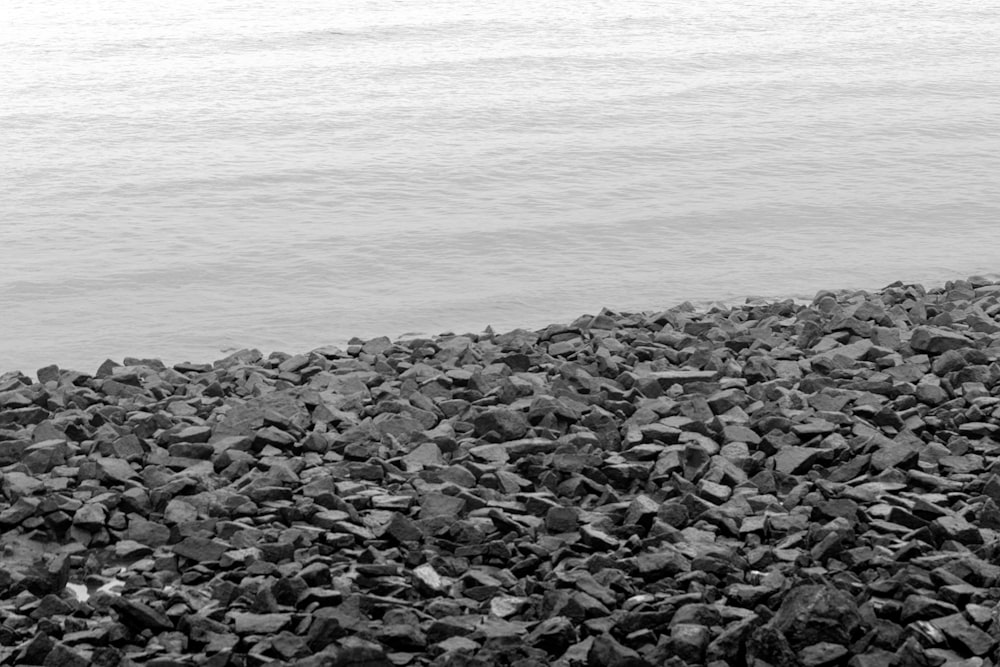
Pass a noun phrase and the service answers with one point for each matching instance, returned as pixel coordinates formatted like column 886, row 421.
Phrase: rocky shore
column 768, row 484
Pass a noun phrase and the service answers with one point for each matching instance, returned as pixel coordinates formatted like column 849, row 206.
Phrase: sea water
column 180, row 179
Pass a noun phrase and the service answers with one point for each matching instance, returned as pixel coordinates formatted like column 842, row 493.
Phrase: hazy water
column 177, row 180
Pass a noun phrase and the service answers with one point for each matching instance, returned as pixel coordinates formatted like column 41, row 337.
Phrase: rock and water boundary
column 773, row 483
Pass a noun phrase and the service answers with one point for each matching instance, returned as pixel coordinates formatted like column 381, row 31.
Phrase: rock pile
column 769, row 484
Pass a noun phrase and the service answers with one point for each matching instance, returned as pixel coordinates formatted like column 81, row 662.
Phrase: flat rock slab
column 248, row 623
column 796, row 460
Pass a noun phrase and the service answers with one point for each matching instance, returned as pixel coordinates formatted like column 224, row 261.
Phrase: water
column 180, row 180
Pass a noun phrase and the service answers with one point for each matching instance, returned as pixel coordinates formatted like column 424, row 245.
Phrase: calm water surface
column 179, row 180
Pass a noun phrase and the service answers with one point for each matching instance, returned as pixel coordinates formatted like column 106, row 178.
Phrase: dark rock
column 955, row 528
column 815, row 613
column 200, row 549
column 606, row 652
column 764, row 484
column 689, row 641
column 140, row 615
column 504, row 424
column 63, row 656
column 796, row 460
column 665, row 562
column 923, row 607
column 974, row 640
column 257, row 624
column 561, row 519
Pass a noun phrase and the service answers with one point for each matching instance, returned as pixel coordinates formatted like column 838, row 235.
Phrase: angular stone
column 11, row 451
column 116, row 469
column 427, row 579
column 689, row 641
column 796, row 460
column 140, row 615
column 147, row 532
column 403, row 529
column 955, row 528
column 42, row 457
column 975, row 640
column 641, row 510
column 895, row 455
column 823, row 654
column 439, row 505
column 561, row 519
column 667, row 379
column 191, row 434
column 812, row 614
column 200, row 549
column 663, row 563
column 247, row 623
column 607, row 652
column 936, row 340
column 17, row 485
column 425, row 455
column 923, row 607
column 64, row 656
column 506, row 424
column 23, row 508
column 91, row 517
column 191, row 450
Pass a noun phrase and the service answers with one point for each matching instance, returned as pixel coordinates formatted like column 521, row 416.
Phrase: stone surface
column 772, row 483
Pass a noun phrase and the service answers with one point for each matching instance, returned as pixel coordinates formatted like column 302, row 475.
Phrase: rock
column 689, row 641
column 63, row 656
column 554, row 635
column 822, row 654
column 428, row 580
column 561, row 519
column 439, row 505
column 18, row 485
column 895, row 455
column 503, row 423
column 147, row 532
column 91, row 517
column 666, row 562
column 937, row 340
column 923, row 607
column 22, row 509
column 959, row 630
column 426, row 455
column 140, row 615
column 955, row 528
column 796, row 460
column 770, row 483
column 200, row 549
column 812, row 614
column 247, row 623
column 606, row 652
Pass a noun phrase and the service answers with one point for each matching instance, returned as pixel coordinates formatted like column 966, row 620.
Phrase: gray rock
column 503, row 423
column 937, row 340
column 813, row 614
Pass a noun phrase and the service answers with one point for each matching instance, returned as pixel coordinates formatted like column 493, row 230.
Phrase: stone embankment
column 768, row 484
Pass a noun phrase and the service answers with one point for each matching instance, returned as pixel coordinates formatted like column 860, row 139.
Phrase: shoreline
column 797, row 483
column 86, row 350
